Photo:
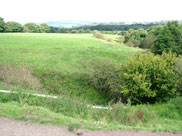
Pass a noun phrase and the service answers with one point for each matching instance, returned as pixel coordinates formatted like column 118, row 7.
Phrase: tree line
column 13, row 26
column 161, row 38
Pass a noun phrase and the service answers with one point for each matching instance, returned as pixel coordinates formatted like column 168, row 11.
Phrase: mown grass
column 57, row 59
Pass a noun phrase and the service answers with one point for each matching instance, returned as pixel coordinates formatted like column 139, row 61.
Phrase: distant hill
column 69, row 23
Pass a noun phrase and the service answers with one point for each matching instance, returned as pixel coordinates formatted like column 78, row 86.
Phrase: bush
column 98, row 35
column 101, row 75
column 148, row 42
column 148, row 78
column 135, row 36
column 178, row 68
column 133, row 43
column 74, row 31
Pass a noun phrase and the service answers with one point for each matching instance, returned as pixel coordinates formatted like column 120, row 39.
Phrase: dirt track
column 10, row 127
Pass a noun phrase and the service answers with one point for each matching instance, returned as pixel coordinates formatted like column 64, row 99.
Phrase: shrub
column 136, row 35
column 98, row 35
column 88, row 31
column 74, row 31
column 133, row 43
column 148, row 42
column 178, row 69
column 101, row 75
column 148, row 78
column 18, row 75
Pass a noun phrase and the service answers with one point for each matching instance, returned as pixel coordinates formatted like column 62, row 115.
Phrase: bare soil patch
column 10, row 127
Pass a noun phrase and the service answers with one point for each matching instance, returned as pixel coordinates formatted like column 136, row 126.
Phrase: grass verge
column 76, row 114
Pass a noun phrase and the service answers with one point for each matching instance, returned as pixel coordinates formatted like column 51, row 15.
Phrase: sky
column 90, row 10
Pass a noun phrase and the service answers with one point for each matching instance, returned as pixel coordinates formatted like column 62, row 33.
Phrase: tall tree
column 44, row 28
column 32, row 28
column 13, row 27
column 2, row 24
column 168, row 38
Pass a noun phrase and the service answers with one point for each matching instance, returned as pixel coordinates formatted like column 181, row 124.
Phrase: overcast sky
column 90, row 10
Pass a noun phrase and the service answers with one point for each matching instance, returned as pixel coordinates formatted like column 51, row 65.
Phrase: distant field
column 56, row 59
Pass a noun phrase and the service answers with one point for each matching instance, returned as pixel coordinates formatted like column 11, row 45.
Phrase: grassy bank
column 77, row 113
column 54, row 64
column 57, row 60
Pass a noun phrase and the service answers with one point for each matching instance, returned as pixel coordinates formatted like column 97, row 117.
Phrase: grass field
column 56, row 62
column 61, row 57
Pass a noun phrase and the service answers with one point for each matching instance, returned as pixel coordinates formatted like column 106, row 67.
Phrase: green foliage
column 44, row 28
column 148, row 42
column 88, row 31
column 171, row 110
column 178, row 68
column 74, row 126
column 120, row 113
column 168, row 38
column 82, row 30
column 63, row 30
column 115, row 27
column 32, row 28
column 101, row 75
column 54, row 29
column 13, row 27
column 133, row 43
column 135, row 35
column 2, row 24
column 155, row 30
column 74, row 113
column 127, row 114
column 74, row 31
column 58, row 66
column 148, row 78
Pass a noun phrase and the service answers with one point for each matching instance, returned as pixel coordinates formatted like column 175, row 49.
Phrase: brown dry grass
column 18, row 75
column 98, row 35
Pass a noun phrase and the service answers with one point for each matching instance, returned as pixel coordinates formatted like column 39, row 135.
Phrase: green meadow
column 58, row 59
column 53, row 64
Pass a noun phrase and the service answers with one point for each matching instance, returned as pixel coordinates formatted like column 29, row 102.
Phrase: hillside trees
column 63, row 30
column 168, row 38
column 2, row 24
column 134, row 37
column 13, row 27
